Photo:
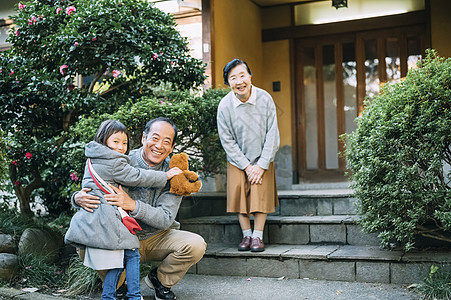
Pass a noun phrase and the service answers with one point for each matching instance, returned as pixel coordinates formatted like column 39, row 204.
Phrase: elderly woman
column 247, row 126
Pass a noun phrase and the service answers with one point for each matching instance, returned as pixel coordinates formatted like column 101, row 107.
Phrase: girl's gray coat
column 103, row 228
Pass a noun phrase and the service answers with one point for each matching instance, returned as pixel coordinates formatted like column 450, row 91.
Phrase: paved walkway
column 202, row 287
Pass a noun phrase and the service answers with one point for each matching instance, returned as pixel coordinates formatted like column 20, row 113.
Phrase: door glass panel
column 311, row 137
column 350, row 86
column 371, row 64
column 392, row 60
column 330, row 107
column 413, row 52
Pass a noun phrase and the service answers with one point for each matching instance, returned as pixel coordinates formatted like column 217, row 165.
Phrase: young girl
column 109, row 244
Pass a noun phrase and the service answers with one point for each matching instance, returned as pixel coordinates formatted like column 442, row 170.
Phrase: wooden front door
column 334, row 74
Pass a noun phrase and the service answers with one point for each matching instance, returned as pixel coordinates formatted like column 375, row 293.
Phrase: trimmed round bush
column 400, row 156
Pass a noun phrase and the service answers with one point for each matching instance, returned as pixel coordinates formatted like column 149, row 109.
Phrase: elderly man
column 155, row 210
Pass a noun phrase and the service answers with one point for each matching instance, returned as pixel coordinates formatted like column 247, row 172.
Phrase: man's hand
column 254, row 174
column 172, row 172
column 86, row 201
column 121, row 199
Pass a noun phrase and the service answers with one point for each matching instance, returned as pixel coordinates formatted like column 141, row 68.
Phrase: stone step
column 291, row 203
column 317, row 202
column 322, row 186
column 323, row 262
column 299, row 230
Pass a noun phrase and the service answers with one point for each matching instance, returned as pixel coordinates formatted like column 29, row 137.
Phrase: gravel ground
column 202, row 287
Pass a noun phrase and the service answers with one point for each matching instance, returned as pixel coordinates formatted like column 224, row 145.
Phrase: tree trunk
column 23, row 193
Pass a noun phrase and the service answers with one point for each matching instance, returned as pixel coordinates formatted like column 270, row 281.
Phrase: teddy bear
column 186, row 183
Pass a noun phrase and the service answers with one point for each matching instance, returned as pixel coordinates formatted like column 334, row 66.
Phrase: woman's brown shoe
column 257, row 245
column 245, row 244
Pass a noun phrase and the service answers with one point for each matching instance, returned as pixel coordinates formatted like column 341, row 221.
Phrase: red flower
column 62, row 69
column 70, row 10
column 28, row 155
column 14, row 162
column 17, row 183
column 32, row 21
column 74, row 176
column 116, row 73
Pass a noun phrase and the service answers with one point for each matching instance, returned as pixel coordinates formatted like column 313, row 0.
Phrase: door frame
column 337, row 38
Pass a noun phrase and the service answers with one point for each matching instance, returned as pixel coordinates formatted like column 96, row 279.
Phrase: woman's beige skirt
column 246, row 198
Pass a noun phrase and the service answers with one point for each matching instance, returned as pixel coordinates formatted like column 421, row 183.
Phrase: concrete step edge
column 330, row 252
column 310, row 193
column 273, row 219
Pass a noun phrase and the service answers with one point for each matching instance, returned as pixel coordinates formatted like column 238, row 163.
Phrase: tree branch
column 96, row 78
column 113, row 88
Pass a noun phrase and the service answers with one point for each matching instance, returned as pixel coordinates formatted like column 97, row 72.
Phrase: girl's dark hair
column 161, row 119
column 232, row 64
column 107, row 129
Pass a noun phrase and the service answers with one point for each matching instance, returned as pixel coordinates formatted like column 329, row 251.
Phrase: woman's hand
column 121, row 198
column 172, row 172
column 86, row 201
column 254, row 174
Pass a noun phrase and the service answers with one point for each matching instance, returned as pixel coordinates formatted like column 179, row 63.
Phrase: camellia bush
column 78, row 58
column 400, row 156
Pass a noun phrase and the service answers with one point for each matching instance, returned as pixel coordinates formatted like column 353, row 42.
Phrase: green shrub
column 35, row 271
column 81, row 279
column 11, row 222
column 119, row 48
column 400, row 156
column 437, row 285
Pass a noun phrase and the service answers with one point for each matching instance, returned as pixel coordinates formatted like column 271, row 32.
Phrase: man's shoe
column 245, row 244
column 122, row 291
column 257, row 245
column 161, row 292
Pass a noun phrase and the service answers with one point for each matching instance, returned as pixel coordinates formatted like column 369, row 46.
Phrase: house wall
column 276, row 67
column 441, row 26
column 237, row 25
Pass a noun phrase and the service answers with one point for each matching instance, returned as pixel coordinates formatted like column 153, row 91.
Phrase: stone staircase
column 313, row 234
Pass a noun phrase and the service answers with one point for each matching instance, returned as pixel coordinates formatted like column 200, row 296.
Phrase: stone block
column 365, row 253
column 202, row 204
column 310, row 252
column 328, row 233
column 40, row 242
column 297, row 234
column 327, row 270
column 232, row 234
column 373, row 272
column 261, row 267
column 7, row 244
column 8, row 265
column 409, row 273
column 438, row 256
column 324, row 207
column 297, row 207
column 284, row 168
column 356, row 237
column 344, row 206
column 212, row 233
column 223, row 266
column 9, row 293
